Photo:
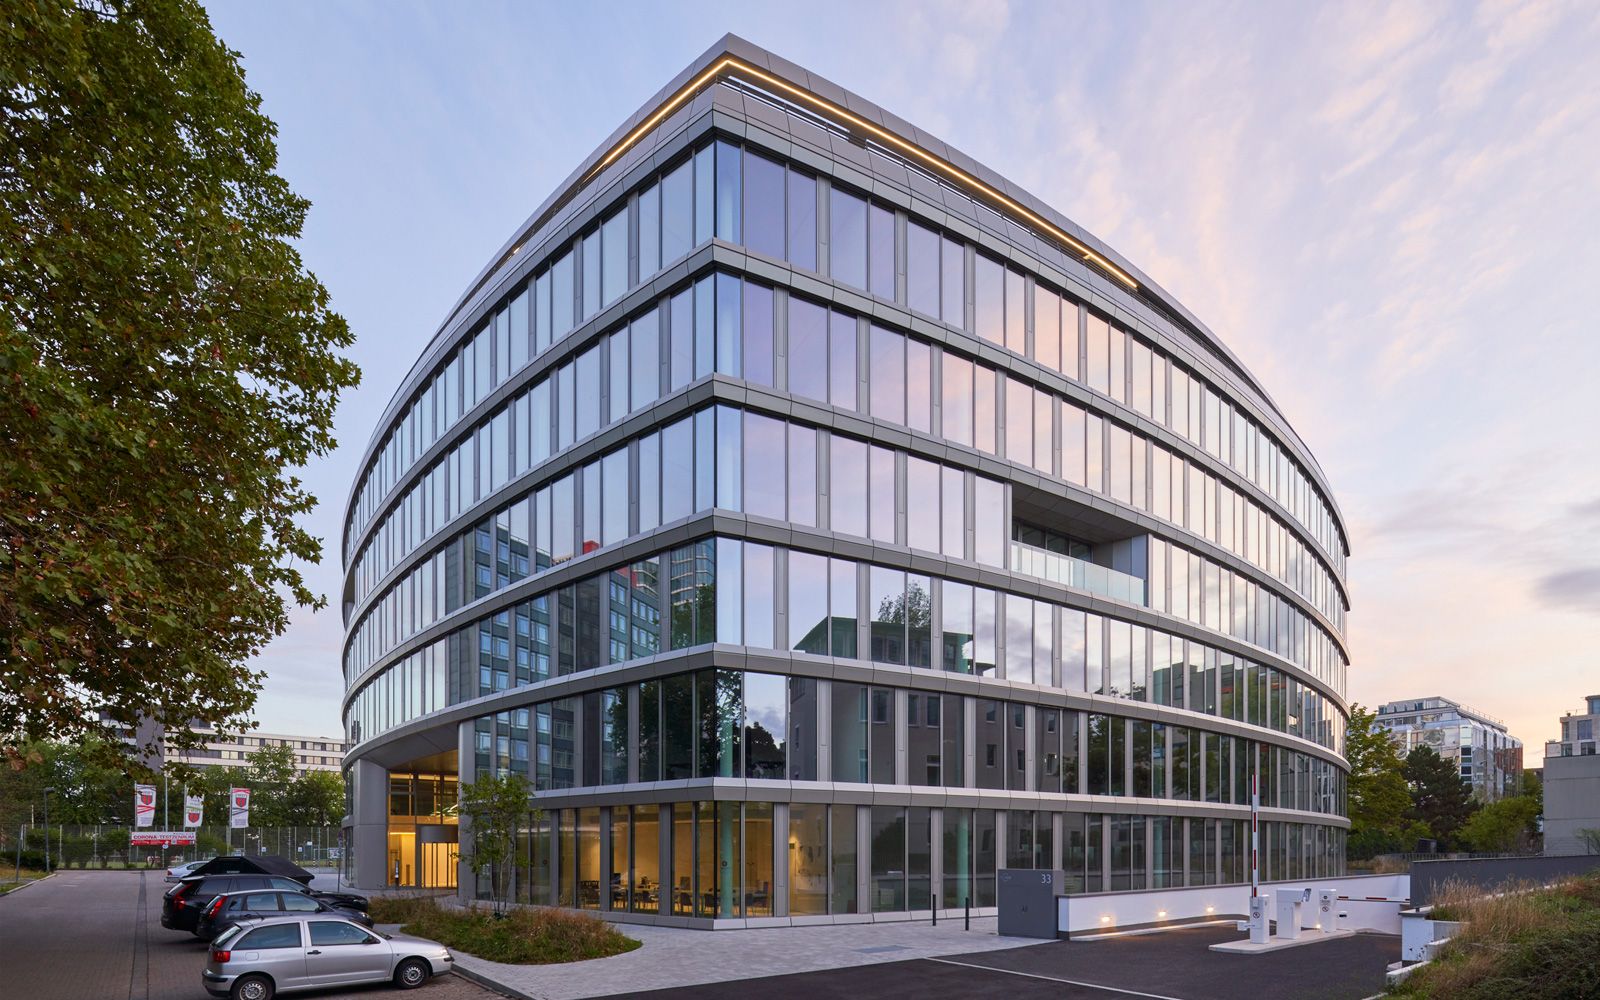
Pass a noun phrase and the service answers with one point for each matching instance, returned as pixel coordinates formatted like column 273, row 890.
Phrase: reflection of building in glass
column 1490, row 758
column 821, row 523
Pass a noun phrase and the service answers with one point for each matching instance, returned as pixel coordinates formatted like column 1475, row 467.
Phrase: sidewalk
column 672, row 956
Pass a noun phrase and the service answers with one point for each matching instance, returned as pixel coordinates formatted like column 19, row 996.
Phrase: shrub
column 524, row 936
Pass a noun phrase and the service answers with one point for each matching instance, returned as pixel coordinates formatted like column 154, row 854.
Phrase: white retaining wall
column 1373, row 902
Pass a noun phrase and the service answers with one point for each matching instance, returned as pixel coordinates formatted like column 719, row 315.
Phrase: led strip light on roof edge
column 950, row 170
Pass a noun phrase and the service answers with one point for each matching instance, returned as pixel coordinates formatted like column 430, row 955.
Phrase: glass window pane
column 677, row 213
column 919, row 379
column 990, row 300
column 591, row 274
column 886, row 383
column 757, row 333
column 808, row 858
column 847, row 486
column 645, row 360
column 728, row 183
column 922, row 269
column 888, row 859
column 586, row 396
column 802, row 475
column 887, row 600
column 802, row 221
column 849, row 732
column 842, row 600
column 991, row 529
column 953, row 523
column 881, row 494
column 842, row 360
column 808, row 603
column 764, row 698
column 847, row 242
column 984, row 424
column 614, row 266
column 1016, row 335
column 704, row 193
column 842, row 819
column 764, row 465
column 617, row 390
column 881, row 244
column 954, row 283
column 649, row 231
column 758, row 600
column 808, row 344
column 956, row 404
column 763, row 206
column 923, row 525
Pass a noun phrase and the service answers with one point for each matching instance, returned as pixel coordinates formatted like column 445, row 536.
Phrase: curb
column 24, row 885
column 490, row 984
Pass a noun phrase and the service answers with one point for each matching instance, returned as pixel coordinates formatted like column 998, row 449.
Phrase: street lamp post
column 47, row 791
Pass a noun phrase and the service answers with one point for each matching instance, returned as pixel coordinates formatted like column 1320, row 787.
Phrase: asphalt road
column 1173, row 965
column 85, row 935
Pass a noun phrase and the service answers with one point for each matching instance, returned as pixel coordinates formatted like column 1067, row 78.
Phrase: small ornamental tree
column 495, row 809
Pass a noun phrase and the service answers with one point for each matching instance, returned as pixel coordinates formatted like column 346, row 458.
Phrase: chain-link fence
column 104, row 846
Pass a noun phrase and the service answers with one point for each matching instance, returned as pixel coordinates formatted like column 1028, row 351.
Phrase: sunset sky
column 1390, row 213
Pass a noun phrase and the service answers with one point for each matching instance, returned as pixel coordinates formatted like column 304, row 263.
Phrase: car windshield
column 228, row 935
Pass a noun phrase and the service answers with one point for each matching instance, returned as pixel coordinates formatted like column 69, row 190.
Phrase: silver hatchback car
column 259, row 958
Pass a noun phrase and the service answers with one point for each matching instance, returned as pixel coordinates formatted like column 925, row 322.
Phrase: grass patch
column 1524, row 944
column 524, row 937
column 9, row 880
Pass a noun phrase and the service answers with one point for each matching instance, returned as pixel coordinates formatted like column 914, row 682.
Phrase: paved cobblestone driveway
column 98, row 936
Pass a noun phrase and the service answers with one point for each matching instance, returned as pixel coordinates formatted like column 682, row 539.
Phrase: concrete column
column 466, row 755
column 369, row 830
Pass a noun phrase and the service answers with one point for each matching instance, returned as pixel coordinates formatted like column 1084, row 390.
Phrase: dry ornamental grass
column 1524, row 943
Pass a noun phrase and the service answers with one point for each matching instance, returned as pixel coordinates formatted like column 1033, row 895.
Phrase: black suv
column 184, row 903
column 237, row 907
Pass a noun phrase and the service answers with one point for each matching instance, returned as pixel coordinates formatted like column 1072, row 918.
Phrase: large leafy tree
column 166, row 363
column 1439, row 798
column 1379, row 797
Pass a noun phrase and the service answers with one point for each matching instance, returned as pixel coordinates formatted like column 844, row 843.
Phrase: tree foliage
column 166, row 363
column 1439, row 797
column 91, row 786
column 1379, row 798
column 1506, row 825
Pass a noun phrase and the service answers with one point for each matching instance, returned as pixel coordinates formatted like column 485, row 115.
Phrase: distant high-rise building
column 1578, row 732
column 1572, row 784
column 1489, row 757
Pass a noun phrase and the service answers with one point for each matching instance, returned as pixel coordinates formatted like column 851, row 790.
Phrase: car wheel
column 411, row 973
column 252, row 987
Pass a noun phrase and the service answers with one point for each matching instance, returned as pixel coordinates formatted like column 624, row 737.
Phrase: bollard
column 968, row 919
column 936, row 909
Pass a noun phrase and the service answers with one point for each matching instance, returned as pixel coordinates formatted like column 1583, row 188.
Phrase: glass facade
column 648, row 515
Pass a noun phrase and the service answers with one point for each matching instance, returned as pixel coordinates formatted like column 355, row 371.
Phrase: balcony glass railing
column 1078, row 573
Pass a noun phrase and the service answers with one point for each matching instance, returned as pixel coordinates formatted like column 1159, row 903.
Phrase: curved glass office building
column 821, row 523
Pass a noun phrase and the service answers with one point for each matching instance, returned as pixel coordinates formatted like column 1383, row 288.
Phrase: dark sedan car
column 184, row 903
column 238, row 907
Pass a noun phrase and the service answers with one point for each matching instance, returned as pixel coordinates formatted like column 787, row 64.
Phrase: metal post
column 936, row 909
column 967, row 920
column 1255, row 827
